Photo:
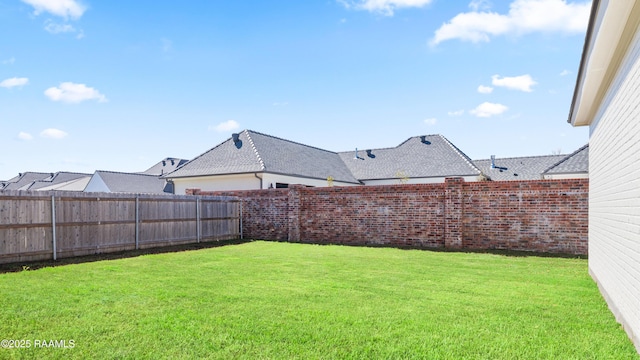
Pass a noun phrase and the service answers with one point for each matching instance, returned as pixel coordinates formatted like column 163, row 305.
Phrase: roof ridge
column 194, row 159
column 255, row 151
column 125, row 173
column 464, row 156
column 567, row 157
column 521, row 157
column 289, row 141
column 388, row 147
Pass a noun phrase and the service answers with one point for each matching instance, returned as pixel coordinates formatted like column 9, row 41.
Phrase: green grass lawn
column 278, row 300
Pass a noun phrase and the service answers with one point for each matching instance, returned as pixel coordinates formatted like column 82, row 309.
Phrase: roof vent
column 493, row 161
column 164, row 163
column 423, row 139
column 357, row 157
column 173, row 162
column 236, row 140
column 370, row 154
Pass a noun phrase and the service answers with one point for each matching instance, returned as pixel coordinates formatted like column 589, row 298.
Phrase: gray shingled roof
column 417, row 157
column 132, row 183
column 257, row 152
column 165, row 166
column 577, row 162
column 25, row 179
column 518, row 168
column 57, row 178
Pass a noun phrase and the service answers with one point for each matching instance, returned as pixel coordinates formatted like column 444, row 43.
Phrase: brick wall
column 544, row 216
column 541, row 216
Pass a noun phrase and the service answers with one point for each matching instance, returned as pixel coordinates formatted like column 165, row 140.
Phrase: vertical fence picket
column 53, row 227
column 137, row 222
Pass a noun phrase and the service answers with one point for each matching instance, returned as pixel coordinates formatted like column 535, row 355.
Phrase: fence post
column 53, row 226
column 198, row 231
column 137, row 222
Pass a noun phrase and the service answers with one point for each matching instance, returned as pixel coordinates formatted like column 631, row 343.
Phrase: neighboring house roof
column 25, row 179
column 251, row 151
column 109, row 181
column 417, row 157
column 165, row 166
column 575, row 163
column 78, row 184
column 58, row 178
column 518, row 168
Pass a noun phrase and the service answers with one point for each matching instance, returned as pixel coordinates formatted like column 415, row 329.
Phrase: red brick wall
column 399, row 215
column 541, row 216
column 545, row 216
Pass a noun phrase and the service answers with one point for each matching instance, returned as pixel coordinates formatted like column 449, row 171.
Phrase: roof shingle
column 576, row 162
column 257, row 152
column 417, row 157
column 517, row 168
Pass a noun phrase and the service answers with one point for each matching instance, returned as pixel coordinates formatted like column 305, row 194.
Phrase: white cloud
column 565, row 72
column 485, row 89
column 9, row 61
column 54, row 28
column 13, row 82
column 430, row 121
column 525, row 16
column 225, row 126
column 522, row 82
column 53, row 134
column 62, row 8
column 488, row 109
column 74, row 93
column 456, row 113
column 476, row 5
column 24, row 136
column 385, row 7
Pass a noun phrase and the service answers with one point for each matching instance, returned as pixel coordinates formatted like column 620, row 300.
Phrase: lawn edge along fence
column 52, row 224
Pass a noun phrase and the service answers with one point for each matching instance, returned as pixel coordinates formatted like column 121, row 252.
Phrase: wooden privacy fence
column 52, row 225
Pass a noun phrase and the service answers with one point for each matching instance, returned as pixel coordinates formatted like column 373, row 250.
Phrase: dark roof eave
column 422, row 177
column 261, row 172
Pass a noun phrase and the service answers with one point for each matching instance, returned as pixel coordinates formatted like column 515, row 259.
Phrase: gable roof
column 55, row 179
column 165, row 166
column 251, row 151
column 78, row 184
column 131, row 183
column 576, row 162
column 518, row 168
column 25, row 179
column 417, row 157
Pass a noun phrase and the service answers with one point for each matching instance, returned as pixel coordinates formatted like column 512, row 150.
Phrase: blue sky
column 110, row 85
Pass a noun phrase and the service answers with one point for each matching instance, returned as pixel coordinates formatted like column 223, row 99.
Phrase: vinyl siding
column 614, row 198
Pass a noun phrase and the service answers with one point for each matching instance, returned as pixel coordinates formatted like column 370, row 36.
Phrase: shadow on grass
column 34, row 265
column 503, row 252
